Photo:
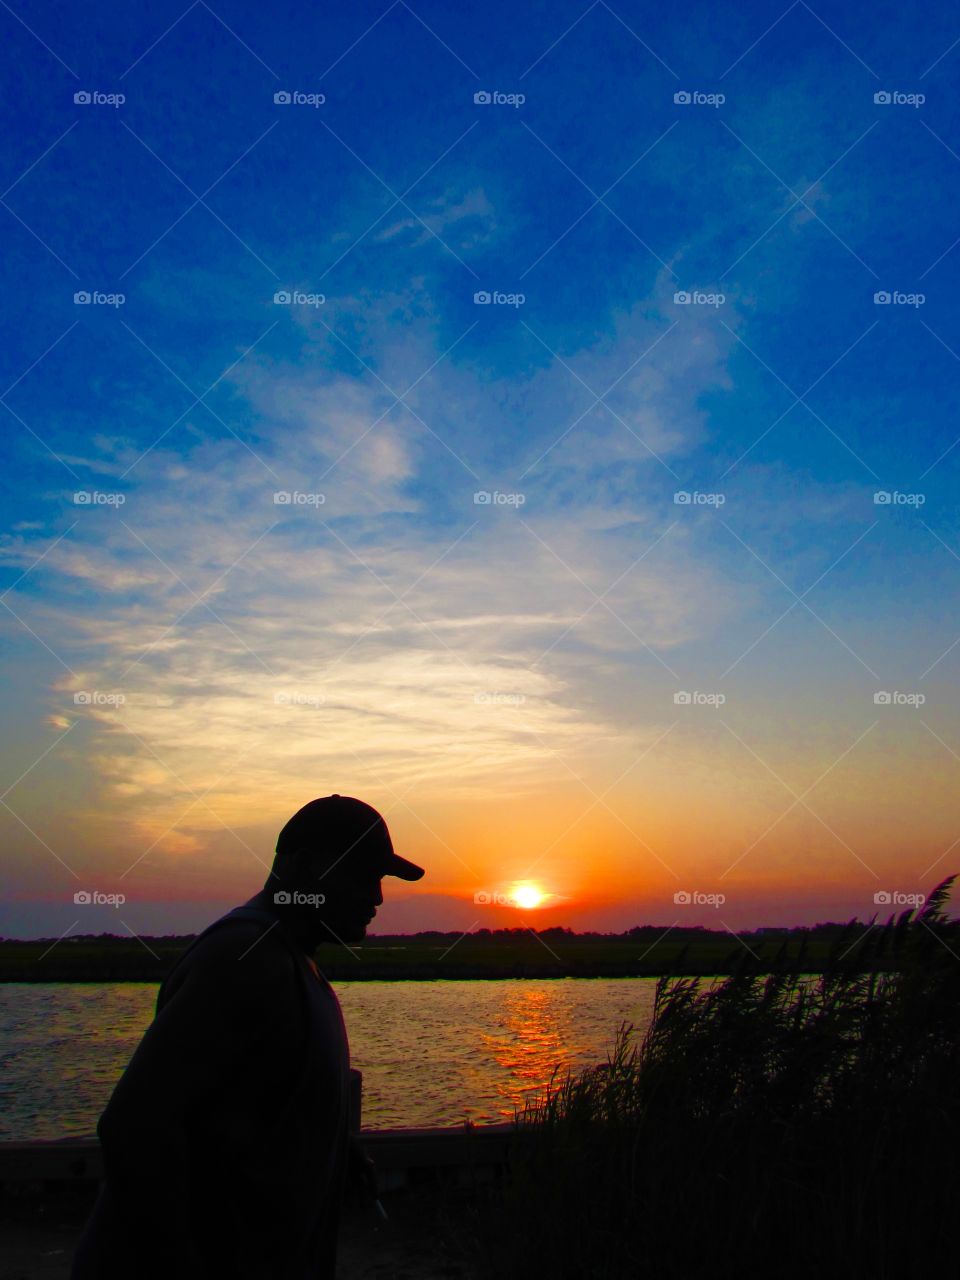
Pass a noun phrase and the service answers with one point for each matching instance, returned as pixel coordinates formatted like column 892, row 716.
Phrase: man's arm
column 238, row 997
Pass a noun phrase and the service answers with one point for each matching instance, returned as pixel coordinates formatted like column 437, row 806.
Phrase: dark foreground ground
column 430, row 1235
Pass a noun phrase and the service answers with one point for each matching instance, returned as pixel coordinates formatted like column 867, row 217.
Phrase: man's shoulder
column 248, row 947
column 237, row 981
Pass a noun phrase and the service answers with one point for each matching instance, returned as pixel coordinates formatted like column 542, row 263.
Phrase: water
column 431, row 1053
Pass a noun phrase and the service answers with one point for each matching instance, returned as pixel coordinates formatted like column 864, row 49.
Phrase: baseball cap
column 343, row 825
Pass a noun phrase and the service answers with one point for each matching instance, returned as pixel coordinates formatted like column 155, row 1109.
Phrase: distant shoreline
column 512, row 954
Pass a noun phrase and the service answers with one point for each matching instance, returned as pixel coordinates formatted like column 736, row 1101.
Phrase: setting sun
column 528, row 897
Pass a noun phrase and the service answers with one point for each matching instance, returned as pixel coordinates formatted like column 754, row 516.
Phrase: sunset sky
column 587, row 684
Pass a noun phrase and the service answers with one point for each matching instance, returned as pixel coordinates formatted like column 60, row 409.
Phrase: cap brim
column 400, row 867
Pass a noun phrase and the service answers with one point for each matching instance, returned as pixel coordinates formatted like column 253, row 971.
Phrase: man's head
column 331, row 857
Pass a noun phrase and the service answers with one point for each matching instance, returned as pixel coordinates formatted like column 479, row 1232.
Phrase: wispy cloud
column 313, row 636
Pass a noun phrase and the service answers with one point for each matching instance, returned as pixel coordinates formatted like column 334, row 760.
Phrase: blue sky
column 481, row 672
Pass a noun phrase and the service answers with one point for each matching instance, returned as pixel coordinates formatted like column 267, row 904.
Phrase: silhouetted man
column 225, row 1143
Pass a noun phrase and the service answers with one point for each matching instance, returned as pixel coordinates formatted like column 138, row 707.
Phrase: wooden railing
column 397, row 1153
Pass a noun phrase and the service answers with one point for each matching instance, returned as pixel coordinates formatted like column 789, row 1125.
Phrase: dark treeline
column 557, row 951
column 559, row 933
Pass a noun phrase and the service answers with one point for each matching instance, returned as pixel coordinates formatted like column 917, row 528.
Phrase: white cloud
column 471, row 218
column 412, row 637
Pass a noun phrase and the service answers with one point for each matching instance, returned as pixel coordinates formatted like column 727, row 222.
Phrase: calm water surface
column 431, row 1053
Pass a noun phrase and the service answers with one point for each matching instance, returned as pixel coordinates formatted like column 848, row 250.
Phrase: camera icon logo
column 482, row 298
column 681, row 297
column 282, row 498
column 282, row 98
column 81, row 98
column 482, row 98
column 82, row 699
column 82, row 898
column 682, row 98
column 882, row 699
column 882, row 298
column 82, row 298
column 82, row 498
column 682, row 698
column 482, row 898
column 282, row 898
column 282, row 298
column 883, row 897
column 881, row 498
column 482, row 498
column 682, row 498
column 882, row 98
column 682, row 898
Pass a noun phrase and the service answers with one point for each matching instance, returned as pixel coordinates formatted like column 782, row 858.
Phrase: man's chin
column 345, row 931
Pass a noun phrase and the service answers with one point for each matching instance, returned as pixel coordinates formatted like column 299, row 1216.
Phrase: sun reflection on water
column 533, row 1037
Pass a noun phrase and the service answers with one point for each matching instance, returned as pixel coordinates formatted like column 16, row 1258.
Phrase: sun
column 528, row 897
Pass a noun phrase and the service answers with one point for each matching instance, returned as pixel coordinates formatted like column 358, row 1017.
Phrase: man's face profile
column 334, row 898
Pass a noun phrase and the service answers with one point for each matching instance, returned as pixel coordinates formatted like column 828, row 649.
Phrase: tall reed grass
column 776, row 1124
